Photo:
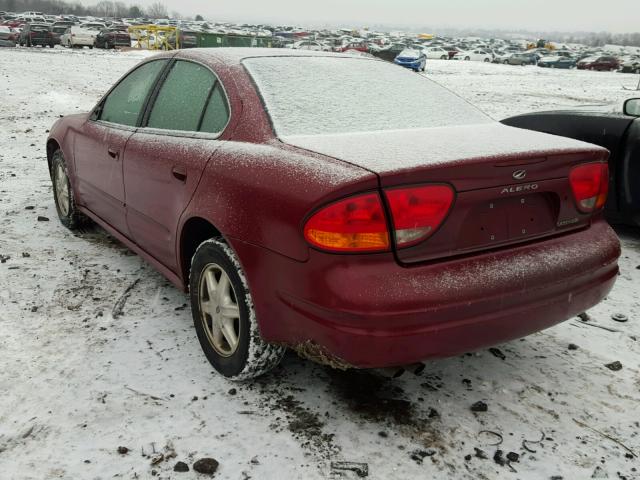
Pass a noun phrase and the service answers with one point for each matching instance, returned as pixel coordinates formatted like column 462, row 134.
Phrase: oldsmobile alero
column 305, row 203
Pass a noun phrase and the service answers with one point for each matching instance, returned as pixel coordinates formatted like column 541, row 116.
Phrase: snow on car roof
column 311, row 95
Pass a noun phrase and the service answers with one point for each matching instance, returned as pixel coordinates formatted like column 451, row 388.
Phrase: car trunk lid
column 511, row 184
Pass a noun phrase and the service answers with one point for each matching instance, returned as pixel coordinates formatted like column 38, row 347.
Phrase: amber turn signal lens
column 355, row 224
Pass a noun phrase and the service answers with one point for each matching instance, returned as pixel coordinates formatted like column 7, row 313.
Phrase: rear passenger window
column 217, row 113
column 182, row 98
column 124, row 103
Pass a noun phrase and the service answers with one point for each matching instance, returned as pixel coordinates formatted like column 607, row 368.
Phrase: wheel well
column 52, row 146
column 195, row 231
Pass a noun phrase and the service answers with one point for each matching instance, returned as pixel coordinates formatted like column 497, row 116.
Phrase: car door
column 100, row 144
column 165, row 159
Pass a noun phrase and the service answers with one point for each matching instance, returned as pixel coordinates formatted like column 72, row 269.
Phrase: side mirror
column 632, row 107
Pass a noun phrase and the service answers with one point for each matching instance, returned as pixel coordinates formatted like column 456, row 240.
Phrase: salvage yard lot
column 78, row 381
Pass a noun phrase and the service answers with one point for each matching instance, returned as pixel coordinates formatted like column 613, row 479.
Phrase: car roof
column 235, row 55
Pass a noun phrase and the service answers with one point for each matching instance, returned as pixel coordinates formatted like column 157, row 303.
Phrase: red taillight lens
column 355, row 224
column 590, row 185
column 418, row 211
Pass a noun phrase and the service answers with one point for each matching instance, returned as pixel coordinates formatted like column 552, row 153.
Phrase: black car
column 617, row 132
column 113, row 37
column 390, row 52
column 33, row 34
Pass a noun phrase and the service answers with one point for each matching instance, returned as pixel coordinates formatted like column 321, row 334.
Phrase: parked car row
column 73, row 32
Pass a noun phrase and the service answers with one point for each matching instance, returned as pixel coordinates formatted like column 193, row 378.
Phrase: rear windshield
column 323, row 95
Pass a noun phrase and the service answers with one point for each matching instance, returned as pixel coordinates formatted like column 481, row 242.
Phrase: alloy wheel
column 219, row 311
column 62, row 190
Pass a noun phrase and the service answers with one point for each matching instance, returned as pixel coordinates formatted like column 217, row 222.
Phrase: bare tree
column 105, row 8
column 157, row 10
column 120, row 10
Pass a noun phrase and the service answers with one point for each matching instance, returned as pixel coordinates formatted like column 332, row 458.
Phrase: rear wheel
column 486, row 60
column 467, row 58
column 443, row 57
column 224, row 316
column 63, row 195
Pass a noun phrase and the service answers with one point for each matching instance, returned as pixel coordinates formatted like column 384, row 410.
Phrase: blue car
column 413, row 59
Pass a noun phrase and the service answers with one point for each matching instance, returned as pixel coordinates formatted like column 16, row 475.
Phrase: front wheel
column 443, row 57
column 467, row 58
column 63, row 195
column 224, row 315
column 486, row 60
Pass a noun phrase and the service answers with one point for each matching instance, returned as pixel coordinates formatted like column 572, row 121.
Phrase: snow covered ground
column 77, row 383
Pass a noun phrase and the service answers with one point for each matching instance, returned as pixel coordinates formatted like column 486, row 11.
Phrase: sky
column 617, row 16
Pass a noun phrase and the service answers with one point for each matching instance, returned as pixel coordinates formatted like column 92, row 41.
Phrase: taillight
column 418, row 211
column 355, row 224
column 590, row 185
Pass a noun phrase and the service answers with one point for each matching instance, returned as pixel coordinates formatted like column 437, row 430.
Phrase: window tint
column 124, row 103
column 217, row 113
column 182, row 98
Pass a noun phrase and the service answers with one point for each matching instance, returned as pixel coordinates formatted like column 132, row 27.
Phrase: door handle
column 180, row 173
column 113, row 153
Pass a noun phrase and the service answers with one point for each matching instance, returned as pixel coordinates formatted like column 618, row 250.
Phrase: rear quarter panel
column 262, row 193
column 63, row 133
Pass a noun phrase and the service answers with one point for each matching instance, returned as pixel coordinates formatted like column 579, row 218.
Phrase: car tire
column 232, row 344
column 486, row 60
column 506, row 62
column 467, row 58
column 90, row 47
column 524, row 64
column 443, row 57
column 63, row 194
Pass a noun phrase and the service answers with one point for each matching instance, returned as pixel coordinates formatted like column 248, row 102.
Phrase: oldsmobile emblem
column 519, row 174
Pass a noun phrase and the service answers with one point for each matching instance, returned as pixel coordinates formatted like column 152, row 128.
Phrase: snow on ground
column 78, row 383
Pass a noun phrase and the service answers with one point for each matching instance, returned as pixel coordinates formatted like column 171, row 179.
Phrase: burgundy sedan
column 305, row 203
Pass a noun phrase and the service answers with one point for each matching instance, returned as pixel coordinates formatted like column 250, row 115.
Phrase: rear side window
column 124, row 103
column 217, row 113
column 182, row 98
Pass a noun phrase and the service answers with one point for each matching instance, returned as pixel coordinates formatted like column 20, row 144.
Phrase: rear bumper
column 369, row 312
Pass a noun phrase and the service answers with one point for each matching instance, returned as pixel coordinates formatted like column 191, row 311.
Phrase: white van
column 78, row 37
